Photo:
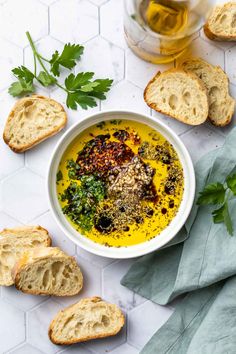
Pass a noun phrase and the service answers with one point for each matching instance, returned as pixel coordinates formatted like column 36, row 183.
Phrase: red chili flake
column 100, row 155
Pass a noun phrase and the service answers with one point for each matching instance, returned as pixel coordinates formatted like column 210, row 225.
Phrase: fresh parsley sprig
column 219, row 194
column 81, row 89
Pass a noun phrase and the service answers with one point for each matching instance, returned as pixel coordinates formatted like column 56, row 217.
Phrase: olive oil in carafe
column 164, row 17
column 160, row 31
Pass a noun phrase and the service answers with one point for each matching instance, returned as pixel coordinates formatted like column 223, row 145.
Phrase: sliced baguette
column 221, row 104
column 221, row 24
column 47, row 271
column 179, row 94
column 32, row 120
column 13, row 243
column 89, row 318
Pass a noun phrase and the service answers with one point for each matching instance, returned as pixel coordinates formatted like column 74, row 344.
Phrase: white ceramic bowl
column 132, row 251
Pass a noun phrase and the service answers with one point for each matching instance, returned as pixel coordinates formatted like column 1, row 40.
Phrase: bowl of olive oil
column 160, row 31
column 120, row 184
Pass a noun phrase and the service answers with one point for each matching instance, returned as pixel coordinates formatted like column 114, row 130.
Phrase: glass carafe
column 160, row 30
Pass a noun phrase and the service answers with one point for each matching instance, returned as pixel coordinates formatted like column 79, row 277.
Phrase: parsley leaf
column 45, row 79
column 222, row 215
column 89, row 87
column 74, row 83
column 231, row 183
column 81, row 89
column 212, row 194
column 23, row 73
column 71, row 101
column 67, row 58
column 19, row 88
column 81, row 99
column 86, row 101
column 24, row 84
column 104, row 85
column 218, row 193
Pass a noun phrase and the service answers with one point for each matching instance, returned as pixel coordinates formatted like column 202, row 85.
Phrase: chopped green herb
column 115, row 121
column 101, row 125
column 82, row 200
column 73, row 168
column 59, row 176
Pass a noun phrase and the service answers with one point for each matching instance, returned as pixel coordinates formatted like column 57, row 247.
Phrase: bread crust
column 27, row 227
column 26, row 147
column 177, row 70
column 221, row 73
column 41, row 253
column 6, row 233
column 87, row 338
column 218, row 37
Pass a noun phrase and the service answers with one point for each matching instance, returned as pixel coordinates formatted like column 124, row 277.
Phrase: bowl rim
column 130, row 251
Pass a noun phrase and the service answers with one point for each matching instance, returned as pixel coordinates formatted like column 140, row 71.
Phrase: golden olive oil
column 167, row 205
column 160, row 31
column 166, row 17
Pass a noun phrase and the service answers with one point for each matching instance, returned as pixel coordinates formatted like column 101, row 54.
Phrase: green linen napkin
column 205, row 321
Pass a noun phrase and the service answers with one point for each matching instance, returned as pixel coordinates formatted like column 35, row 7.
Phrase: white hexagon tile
column 111, row 22
column 103, row 58
column 139, row 72
column 8, row 221
column 126, row 95
column 201, row 140
column 151, row 316
column 6, row 102
column 38, row 321
column 23, row 195
column 33, row 17
column 25, row 348
column 73, row 20
column 97, row 24
column 9, row 159
column 38, row 159
column 11, row 56
column 14, row 320
column 58, row 237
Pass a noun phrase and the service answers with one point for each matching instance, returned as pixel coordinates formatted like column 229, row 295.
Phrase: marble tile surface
column 107, row 59
column 151, row 316
column 73, row 20
column 97, row 24
column 33, row 17
column 12, row 319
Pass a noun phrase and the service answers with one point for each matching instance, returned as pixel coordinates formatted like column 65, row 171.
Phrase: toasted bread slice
column 179, row 94
column 89, row 318
column 221, row 104
column 13, row 243
column 47, row 271
column 32, row 120
column 221, row 24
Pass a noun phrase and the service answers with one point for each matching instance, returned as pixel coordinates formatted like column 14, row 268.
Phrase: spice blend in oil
column 120, row 183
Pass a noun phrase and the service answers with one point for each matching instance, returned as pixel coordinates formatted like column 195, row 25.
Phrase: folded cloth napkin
column 203, row 266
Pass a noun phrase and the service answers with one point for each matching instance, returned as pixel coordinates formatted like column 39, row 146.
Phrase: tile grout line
column 49, row 23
